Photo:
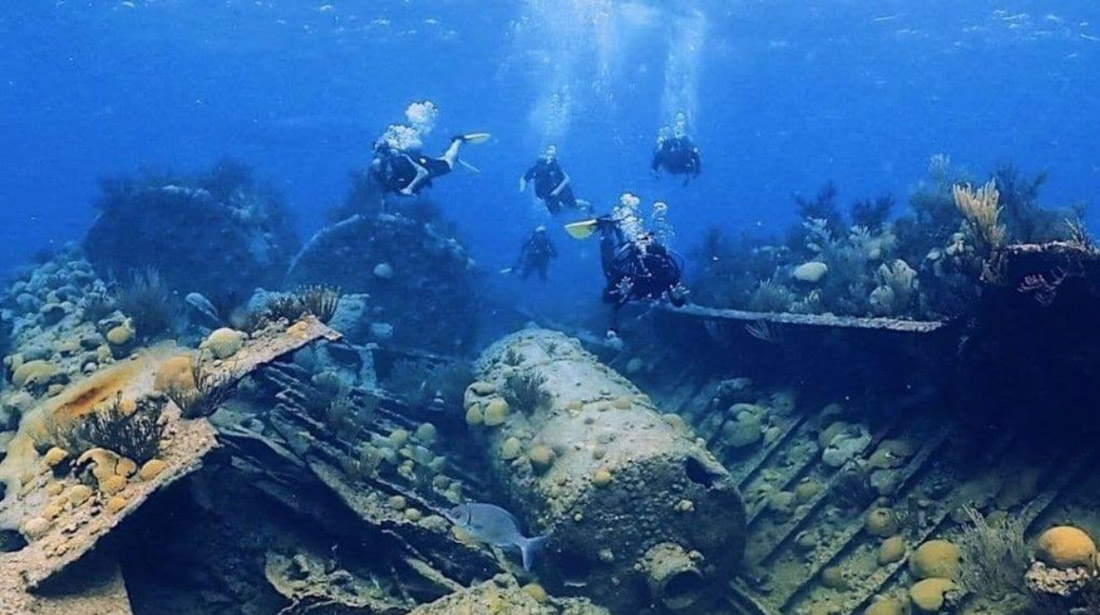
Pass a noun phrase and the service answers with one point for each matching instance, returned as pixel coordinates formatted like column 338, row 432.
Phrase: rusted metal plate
column 77, row 530
column 97, row 587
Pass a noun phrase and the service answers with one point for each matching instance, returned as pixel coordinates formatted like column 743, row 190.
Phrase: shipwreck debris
column 97, row 586
column 620, row 489
column 396, row 505
column 1034, row 340
column 502, row 594
column 901, row 325
column 61, row 532
column 310, row 584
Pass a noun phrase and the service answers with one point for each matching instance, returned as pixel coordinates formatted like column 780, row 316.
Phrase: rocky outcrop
column 217, row 235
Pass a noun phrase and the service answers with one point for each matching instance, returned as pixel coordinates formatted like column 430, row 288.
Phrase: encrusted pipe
column 675, row 580
column 586, row 458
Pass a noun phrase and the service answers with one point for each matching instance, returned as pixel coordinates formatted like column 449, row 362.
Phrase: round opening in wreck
column 698, row 473
column 683, row 590
column 575, row 569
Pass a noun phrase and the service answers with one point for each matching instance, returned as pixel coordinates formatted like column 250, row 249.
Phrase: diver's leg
column 553, row 205
column 422, row 174
column 567, row 198
column 607, row 255
column 414, row 185
column 451, row 155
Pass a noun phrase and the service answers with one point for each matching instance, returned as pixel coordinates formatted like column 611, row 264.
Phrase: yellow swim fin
column 582, row 229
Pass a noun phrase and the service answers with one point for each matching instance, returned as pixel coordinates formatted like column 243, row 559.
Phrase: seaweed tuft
column 135, row 434
column 209, row 393
column 320, row 301
column 524, row 391
column 149, row 303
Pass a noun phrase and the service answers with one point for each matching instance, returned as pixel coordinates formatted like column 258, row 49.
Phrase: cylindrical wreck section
column 638, row 512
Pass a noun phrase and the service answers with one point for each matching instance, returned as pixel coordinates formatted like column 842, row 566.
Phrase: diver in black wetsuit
column 636, row 269
column 408, row 172
column 552, row 184
column 676, row 153
column 535, row 255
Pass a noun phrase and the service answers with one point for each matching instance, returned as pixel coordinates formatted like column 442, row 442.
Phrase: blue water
column 782, row 96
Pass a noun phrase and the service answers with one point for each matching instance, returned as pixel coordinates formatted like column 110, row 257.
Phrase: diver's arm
column 528, row 176
column 697, row 156
column 562, row 185
column 421, row 175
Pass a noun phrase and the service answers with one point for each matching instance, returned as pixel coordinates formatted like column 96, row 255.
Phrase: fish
column 204, row 309
column 495, row 526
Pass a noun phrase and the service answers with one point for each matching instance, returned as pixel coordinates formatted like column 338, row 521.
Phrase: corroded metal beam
column 900, row 325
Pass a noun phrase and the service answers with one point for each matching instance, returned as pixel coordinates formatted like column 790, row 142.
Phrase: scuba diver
column 676, row 153
column 552, row 184
column 408, row 171
column 636, row 265
column 535, row 255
